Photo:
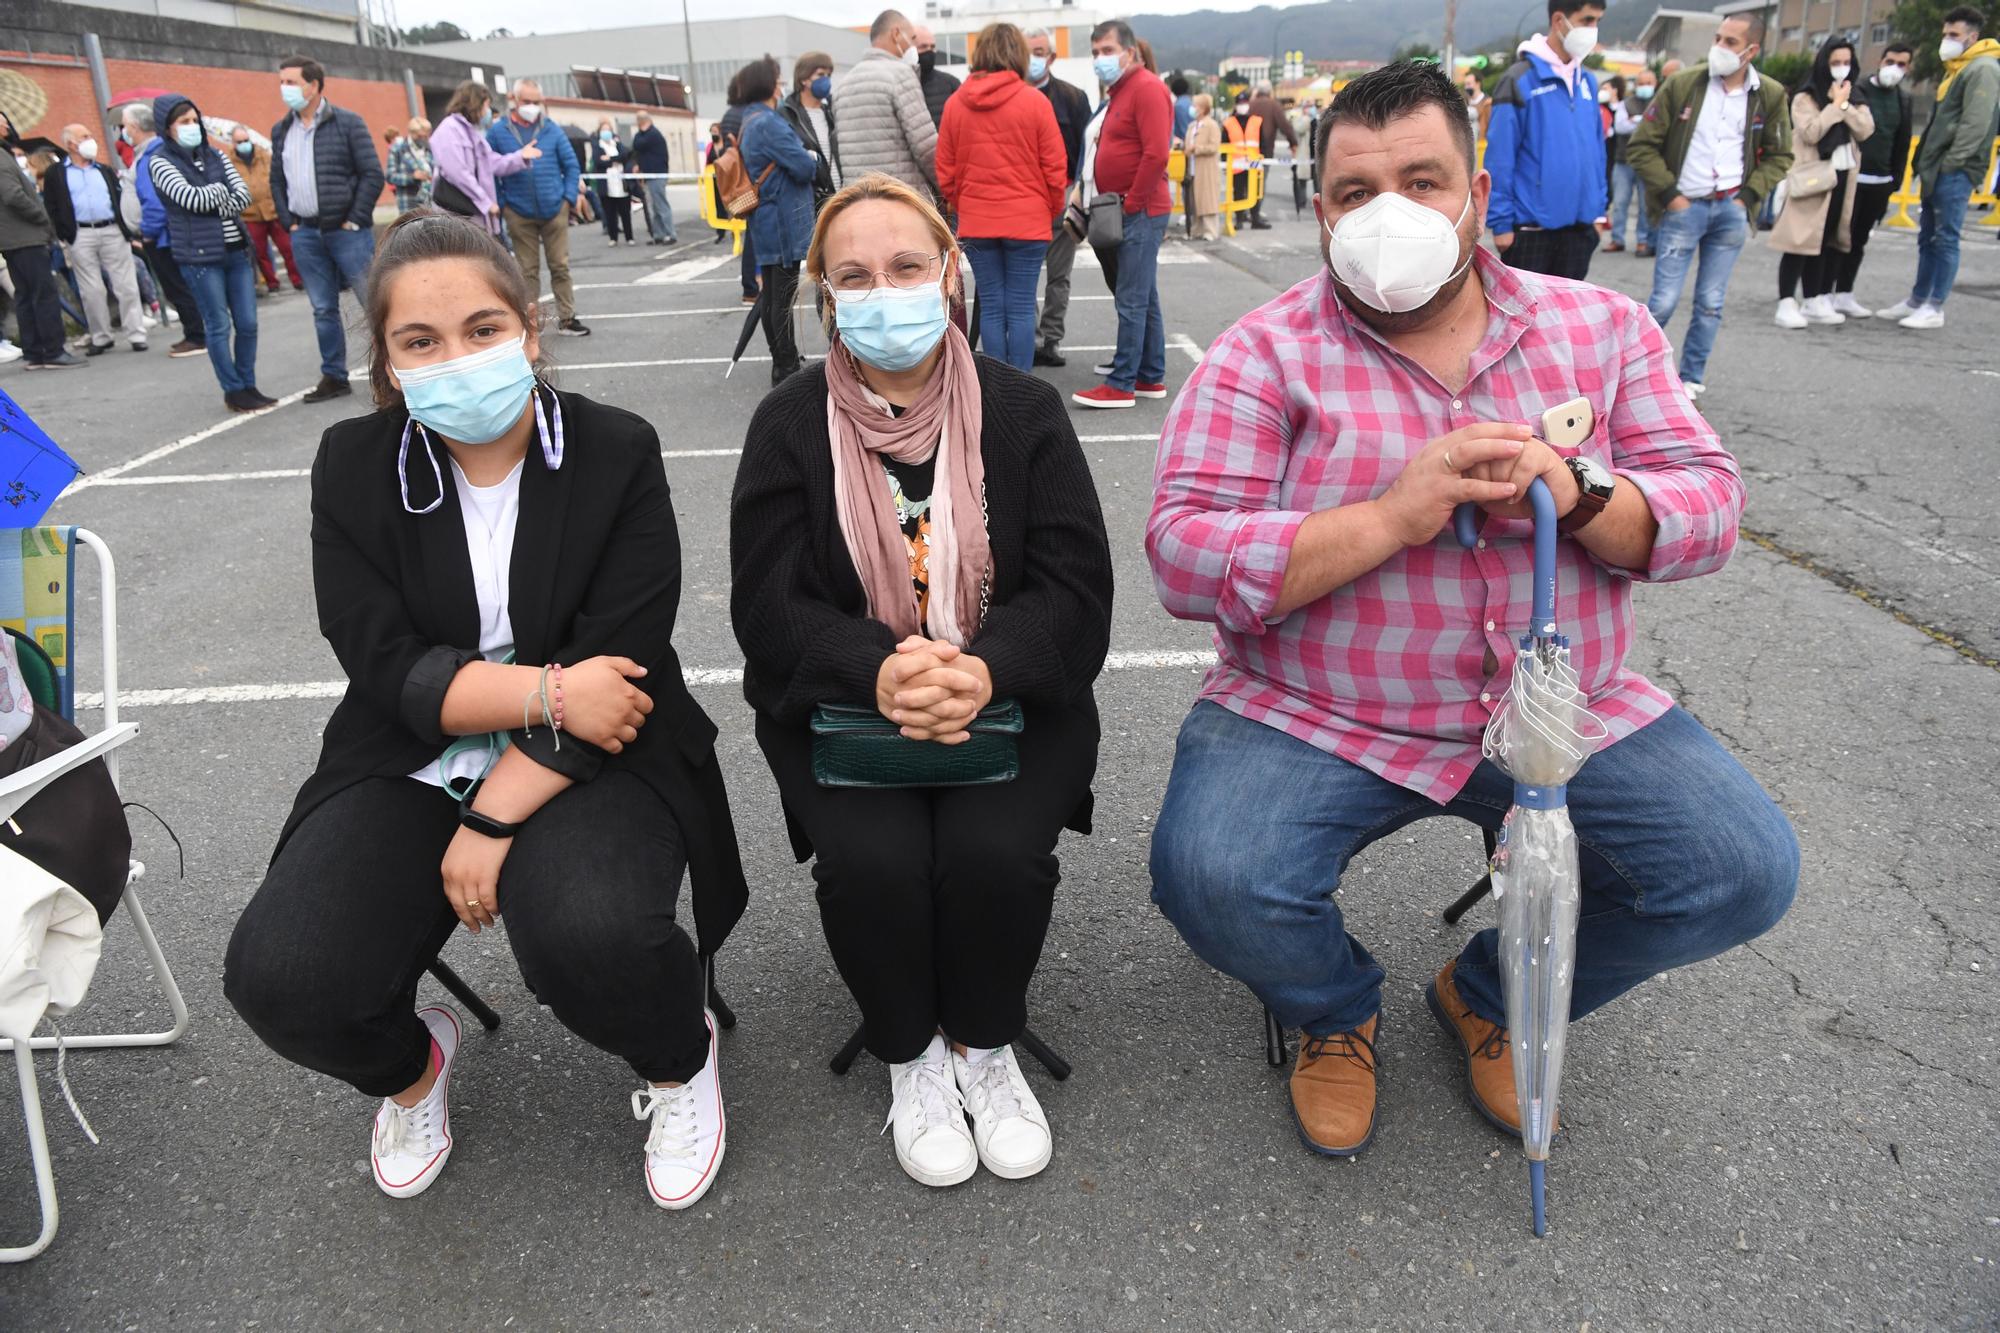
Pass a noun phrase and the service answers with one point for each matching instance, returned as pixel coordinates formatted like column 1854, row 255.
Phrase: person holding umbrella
column 1305, row 488
column 782, row 226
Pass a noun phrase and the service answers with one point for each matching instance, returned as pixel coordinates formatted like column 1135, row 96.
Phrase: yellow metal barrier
column 1909, row 197
column 715, row 219
column 1177, row 176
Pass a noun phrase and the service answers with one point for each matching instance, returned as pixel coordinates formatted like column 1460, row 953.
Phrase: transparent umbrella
column 1540, row 735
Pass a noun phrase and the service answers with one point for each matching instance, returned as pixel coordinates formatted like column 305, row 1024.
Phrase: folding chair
column 1277, row 1051
column 725, row 1017
column 38, row 599
column 1059, row 1068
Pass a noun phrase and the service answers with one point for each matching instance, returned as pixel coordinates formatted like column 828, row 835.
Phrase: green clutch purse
column 858, row 747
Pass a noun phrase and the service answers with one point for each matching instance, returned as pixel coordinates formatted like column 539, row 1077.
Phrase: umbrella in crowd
column 1540, row 736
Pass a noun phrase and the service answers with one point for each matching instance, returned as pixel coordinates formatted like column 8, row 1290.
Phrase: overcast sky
column 525, row 16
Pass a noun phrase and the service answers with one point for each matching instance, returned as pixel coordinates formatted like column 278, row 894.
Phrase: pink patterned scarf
column 961, row 561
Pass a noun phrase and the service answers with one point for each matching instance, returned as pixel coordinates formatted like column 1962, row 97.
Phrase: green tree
column 443, row 31
column 1419, row 51
column 1921, row 22
column 1786, row 67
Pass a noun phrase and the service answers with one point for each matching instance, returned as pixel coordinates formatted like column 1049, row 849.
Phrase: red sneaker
column 1104, row 396
column 1145, row 390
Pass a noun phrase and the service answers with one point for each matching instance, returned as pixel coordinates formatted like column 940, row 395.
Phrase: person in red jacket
column 1137, row 130
column 1002, row 170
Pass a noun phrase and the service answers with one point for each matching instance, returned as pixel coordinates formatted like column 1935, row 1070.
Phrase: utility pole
column 1450, row 61
column 687, row 36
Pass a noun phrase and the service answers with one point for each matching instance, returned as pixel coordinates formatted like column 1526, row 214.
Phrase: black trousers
column 1871, row 205
column 935, row 901
column 1816, row 272
column 781, row 288
column 617, row 215
column 1561, row 252
column 36, row 305
column 325, row 960
column 176, row 292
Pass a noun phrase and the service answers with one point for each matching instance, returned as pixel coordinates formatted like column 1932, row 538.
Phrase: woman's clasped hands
column 932, row 689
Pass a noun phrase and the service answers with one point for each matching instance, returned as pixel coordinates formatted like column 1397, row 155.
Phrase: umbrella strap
column 1541, row 798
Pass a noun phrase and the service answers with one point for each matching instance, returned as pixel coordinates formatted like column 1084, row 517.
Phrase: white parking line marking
column 334, row 689
column 724, row 309
column 687, row 270
column 85, row 482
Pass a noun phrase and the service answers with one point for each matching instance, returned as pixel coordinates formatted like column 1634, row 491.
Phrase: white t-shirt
column 490, row 513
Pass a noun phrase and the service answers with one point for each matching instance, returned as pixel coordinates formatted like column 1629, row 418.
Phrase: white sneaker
column 9, row 352
column 1901, row 310
column 928, row 1116
column 684, row 1148
column 412, row 1143
column 1008, row 1126
column 1819, row 310
column 1789, row 316
column 1102, row 368
column 1694, row 389
column 1924, row 317
column 1845, row 303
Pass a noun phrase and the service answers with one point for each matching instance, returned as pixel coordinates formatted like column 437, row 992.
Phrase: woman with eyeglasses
column 915, row 535
column 497, row 568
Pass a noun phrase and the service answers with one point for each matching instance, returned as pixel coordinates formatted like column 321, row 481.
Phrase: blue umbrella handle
column 1465, row 523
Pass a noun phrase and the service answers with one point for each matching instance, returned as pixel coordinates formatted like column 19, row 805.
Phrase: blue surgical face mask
column 486, row 119
column 472, row 399
column 1108, row 69
column 246, row 150
column 295, row 96
column 892, row 328
column 1644, row 92
column 1038, row 69
column 188, row 136
column 822, row 87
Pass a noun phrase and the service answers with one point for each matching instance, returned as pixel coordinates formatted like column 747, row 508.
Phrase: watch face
column 1593, row 475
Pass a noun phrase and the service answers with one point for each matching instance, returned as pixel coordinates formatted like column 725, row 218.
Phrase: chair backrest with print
column 37, row 600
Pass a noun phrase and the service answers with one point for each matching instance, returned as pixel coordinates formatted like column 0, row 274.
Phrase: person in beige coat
column 1205, row 148
column 1828, row 121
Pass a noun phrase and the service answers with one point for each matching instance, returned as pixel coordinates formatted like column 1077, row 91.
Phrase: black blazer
column 596, row 569
column 62, row 210
column 797, row 604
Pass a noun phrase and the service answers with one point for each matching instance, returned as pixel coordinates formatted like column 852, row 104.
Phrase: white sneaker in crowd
column 1694, row 389
column 1819, row 310
column 1923, row 317
column 1901, row 310
column 928, row 1117
column 1789, row 315
column 1008, row 1126
column 685, row 1145
column 1845, row 303
column 1101, row 368
column 412, row 1143
column 9, row 352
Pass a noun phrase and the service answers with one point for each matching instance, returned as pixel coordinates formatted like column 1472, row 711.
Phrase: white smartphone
column 1568, row 425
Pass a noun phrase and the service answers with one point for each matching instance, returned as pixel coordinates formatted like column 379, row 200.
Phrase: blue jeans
column 1683, row 856
column 1938, row 228
column 324, row 258
column 1714, row 230
column 1142, row 336
column 226, row 294
column 659, row 213
column 1625, row 192
column 1009, row 274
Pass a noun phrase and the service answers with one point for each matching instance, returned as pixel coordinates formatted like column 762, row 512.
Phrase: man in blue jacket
column 649, row 152
column 1545, row 148
column 536, row 202
column 325, row 180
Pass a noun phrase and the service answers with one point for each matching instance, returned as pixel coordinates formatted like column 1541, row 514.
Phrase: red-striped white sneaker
column 684, row 1147
column 412, row 1143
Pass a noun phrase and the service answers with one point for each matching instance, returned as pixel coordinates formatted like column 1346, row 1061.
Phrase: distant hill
column 1354, row 29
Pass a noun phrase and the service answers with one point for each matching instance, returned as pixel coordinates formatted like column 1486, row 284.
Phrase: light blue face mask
column 486, row 119
column 188, row 136
column 1108, row 69
column 472, row 399
column 892, row 328
column 1038, row 69
column 294, row 96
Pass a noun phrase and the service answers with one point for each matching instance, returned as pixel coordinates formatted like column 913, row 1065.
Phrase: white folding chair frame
column 38, row 1149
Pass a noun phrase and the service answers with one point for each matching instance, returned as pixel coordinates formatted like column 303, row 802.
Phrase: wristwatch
column 1594, row 484
column 486, row 824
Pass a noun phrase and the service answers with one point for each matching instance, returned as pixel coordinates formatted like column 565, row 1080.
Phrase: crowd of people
column 921, row 577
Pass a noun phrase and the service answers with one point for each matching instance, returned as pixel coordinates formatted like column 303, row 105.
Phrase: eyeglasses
column 912, row 268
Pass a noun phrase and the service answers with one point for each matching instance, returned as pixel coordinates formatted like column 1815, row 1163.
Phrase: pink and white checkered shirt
column 1301, row 407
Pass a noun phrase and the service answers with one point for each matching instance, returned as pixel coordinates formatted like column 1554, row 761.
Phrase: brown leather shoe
column 1489, row 1066
column 1333, row 1090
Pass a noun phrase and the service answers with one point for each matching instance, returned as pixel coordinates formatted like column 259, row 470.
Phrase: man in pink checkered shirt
column 1306, row 481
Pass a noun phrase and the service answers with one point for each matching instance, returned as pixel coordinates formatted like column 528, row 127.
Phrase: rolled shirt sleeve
column 1219, row 539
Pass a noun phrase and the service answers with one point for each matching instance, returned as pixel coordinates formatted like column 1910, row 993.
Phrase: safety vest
column 1240, row 135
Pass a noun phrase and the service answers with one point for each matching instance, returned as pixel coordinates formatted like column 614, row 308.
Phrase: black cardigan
column 797, row 603
column 595, row 570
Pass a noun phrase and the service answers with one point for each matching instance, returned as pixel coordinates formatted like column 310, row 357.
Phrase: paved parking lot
column 1797, row 1135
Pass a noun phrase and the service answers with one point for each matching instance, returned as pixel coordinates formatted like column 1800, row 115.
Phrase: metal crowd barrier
column 1177, row 176
column 1908, row 197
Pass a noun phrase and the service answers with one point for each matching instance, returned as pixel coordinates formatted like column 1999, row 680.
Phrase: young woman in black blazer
column 497, row 568
column 856, row 584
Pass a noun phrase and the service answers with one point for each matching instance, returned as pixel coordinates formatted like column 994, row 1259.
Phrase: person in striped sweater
column 204, row 198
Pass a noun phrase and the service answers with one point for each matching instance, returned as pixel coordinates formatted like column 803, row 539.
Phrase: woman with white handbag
column 1813, row 231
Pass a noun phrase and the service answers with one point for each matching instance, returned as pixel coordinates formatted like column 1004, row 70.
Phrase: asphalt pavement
column 1800, row 1134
